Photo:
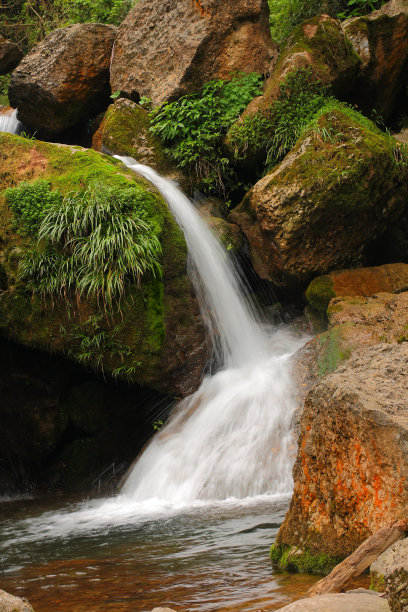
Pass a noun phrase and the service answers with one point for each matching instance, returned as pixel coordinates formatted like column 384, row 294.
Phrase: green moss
column 332, row 353
column 301, row 560
column 377, row 582
column 131, row 342
column 319, row 293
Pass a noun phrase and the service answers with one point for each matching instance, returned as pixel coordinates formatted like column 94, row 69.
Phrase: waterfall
column 9, row 122
column 232, row 437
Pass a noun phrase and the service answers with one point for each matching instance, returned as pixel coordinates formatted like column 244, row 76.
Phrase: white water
column 9, row 122
column 232, row 438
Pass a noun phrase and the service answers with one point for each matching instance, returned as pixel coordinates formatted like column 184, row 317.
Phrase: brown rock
column 388, row 278
column 169, row 48
column 325, row 204
column 365, row 601
column 352, row 467
column 65, row 78
column 9, row 603
column 381, row 41
column 10, row 55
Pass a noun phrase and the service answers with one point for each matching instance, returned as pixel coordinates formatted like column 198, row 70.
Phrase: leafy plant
column 252, row 134
column 29, row 203
column 96, row 240
column 301, row 96
column 193, row 126
column 357, row 8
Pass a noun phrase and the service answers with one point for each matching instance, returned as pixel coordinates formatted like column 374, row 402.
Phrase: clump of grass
column 93, row 243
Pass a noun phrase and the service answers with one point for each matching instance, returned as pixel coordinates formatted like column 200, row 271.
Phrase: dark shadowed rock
column 10, row 55
column 325, row 204
column 169, row 48
column 381, row 41
column 65, row 78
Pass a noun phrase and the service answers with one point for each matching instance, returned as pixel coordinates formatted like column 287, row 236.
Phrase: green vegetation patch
column 319, row 293
column 301, row 560
column 332, row 352
column 29, row 203
column 192, row 128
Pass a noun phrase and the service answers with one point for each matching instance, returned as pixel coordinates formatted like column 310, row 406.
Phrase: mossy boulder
column 389, row 573
column 389, row 278
column 300, row 559
column 323, row 207
column 155, row 337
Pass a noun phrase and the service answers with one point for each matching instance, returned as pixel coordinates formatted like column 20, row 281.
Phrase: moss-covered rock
column 302, row 560
column 155, row 337
column 388, row 278
column 389, row 573
column 333, row 195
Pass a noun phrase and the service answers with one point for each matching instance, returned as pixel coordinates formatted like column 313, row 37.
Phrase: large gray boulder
column 9, row 603
column 64, row 79
column 169, row 48
column 364, row 601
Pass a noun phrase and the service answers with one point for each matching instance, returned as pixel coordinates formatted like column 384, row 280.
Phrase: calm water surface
column 204, row 558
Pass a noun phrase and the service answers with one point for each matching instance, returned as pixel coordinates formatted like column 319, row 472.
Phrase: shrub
column 252, row 134
column 29, row 203
column 193, row 126
column 93, row 242
column 301, row 96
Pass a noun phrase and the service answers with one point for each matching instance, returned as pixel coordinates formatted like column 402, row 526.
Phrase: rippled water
column 202, row 558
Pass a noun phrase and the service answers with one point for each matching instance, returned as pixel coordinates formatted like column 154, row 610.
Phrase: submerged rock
column 64, row 79
column 381, row 41
column 155, row 337
column 389, row 573
column 326, row 203
column 169, row 48
column 388, row 278
column 10, row 55
column 9, row 603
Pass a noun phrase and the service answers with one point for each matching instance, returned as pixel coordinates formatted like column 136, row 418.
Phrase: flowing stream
column 9, row 122
column 219, row 469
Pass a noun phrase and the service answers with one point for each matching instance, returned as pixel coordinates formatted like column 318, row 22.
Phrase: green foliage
column 193, row 126
column 357, row 8
column 4, row 85
column 30, row 202
column 96, row 240
column 252, row 134
column 301, row 96
column 301, row 560
column 27, row 23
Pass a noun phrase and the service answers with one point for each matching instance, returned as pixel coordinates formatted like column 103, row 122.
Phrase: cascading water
column 9, row 122
column 232, row 437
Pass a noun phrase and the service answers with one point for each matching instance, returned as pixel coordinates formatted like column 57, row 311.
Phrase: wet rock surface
column 64, row 79
column 167, row 49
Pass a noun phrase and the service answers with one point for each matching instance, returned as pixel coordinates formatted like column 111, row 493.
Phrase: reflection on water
column 209, row 558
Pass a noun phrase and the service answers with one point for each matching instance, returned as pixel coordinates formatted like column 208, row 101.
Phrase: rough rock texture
column 10, row 55
column 64, row 79
column 389, row 573
column 388, row 278
column 381, row 41
column 341, row 602
column 325, row 204
column 159, row 325
column 124, row 130
column 352, row 467
column 319, row 44
column 9, row 603
column 169, row 48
